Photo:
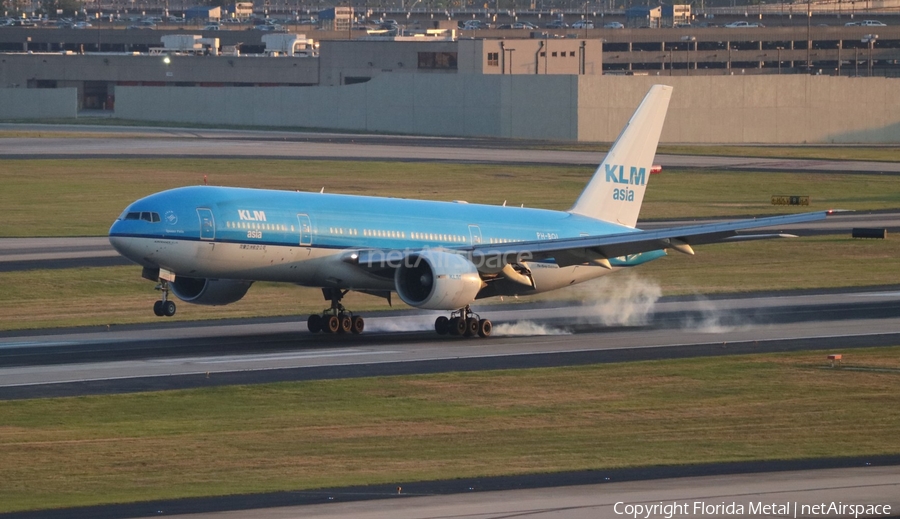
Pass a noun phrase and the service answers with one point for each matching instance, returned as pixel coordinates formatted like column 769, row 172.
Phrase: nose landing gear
column 335, row 319
column 463, row 323
column 164, row 307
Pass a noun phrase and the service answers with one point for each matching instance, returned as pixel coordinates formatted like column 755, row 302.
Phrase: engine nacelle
column 437, row 280
column 214, row 292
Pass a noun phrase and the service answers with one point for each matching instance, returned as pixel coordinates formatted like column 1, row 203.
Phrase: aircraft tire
column 314, row 323
column 168, row 308
column 471, row 327
column 332, row 324
column 456, row 326
column 357, row 325
column 157, row 309
column 442, row 325
column 345, row 323
column 485, row 328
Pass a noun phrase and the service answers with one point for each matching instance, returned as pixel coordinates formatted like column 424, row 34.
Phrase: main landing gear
column 335, row 319
column 463, row 323
column 164, row 307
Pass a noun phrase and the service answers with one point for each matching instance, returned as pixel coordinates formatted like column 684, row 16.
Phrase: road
column 173, row 142
column 782, row 492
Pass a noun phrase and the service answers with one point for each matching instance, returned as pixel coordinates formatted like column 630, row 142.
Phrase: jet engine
column 213, row 292
column 437, row 280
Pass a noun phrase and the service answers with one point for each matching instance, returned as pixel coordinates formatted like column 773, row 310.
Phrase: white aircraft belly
column 291, row 264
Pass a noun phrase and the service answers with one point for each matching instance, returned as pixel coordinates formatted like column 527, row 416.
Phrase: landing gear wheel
column 442, row 325
column 344, row 323
column 471, row 327
column 158, row 309
column 458, row 326
column 357, row 325
column 168, row 308
column 485, row 328
column 332, row 324
column 463, row 322
column 314, row 323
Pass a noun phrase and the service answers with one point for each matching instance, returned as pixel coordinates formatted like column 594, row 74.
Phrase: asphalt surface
column 185, row 355
column 130, row 142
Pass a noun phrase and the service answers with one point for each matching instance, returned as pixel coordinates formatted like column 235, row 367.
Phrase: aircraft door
column 207, row 224
column 305, row 230
column 475, row 234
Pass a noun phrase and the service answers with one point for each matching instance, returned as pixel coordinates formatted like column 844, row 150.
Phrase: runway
column 132, row 142
column 184, row 355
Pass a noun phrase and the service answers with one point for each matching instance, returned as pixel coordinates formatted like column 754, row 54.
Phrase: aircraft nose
column 121, row 243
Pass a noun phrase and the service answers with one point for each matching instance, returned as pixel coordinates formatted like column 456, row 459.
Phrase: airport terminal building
column 497, row 84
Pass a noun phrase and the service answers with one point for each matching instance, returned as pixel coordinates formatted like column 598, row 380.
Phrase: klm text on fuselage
column 616, row 174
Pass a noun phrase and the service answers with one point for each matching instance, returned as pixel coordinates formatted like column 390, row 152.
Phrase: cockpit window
column 145, row 216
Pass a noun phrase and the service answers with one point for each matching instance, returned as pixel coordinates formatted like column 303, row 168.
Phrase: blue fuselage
column 265, row 234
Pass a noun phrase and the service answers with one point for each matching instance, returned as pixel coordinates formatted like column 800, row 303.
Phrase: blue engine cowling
column 213, row 292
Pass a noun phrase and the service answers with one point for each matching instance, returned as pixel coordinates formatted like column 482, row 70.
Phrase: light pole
column 691, row 40
column 870, row 40
column 808, row 37
column 779, row 59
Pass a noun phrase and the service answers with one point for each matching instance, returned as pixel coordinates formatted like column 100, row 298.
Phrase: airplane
column 208, row 244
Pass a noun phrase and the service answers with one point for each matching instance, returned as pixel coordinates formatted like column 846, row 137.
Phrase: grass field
column 243, row 439
column 74, row 197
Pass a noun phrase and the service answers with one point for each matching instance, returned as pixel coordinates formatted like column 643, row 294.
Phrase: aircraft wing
column 599, row 249
column 594, row 249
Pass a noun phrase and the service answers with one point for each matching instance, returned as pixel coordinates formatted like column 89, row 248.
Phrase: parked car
column 212, row 27
column 872, row 23
column 145, row 24
column 741, row 25
column 583, row 24
column 613, row 25
column 82, row 25
column 557, row 24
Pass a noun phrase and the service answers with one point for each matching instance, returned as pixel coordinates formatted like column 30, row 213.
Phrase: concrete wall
column 541, row 107
column 788, row 109
column 785, row 109
column 43, row 103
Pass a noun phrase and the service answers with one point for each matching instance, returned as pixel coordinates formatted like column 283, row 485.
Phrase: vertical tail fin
column 616, row 191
